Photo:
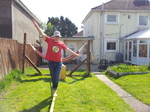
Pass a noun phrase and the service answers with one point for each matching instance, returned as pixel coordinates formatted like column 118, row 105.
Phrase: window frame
column 138, row 22
column 117, row 18
column 72, row 44
column 142, row 53
column 111, row 40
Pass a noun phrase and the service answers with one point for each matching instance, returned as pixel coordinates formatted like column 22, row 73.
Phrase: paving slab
column 137, row 105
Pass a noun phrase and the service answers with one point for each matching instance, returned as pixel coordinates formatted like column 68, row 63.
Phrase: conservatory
column 137, row 48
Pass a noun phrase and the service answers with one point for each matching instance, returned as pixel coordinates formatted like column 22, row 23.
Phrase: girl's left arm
column 72, row 52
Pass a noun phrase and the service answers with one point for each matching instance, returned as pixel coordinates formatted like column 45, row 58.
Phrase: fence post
column 23, row 54
column 88, row 59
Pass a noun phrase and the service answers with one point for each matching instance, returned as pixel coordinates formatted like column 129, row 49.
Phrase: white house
column 120, row 26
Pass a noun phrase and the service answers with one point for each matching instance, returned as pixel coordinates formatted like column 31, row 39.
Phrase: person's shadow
column 41, row 105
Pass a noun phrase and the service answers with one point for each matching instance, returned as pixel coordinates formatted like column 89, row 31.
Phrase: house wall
column 22, row 23
column 44, row 48
column 102, row 31
column 78, row 44
column 94, row 23
column 124, row 27
column 127, row 25
column 5, row 19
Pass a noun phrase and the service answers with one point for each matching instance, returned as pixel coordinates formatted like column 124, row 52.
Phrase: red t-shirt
column 54, row 51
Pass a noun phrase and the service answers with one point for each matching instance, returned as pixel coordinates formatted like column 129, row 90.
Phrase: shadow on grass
column 40, row 106
column 75, row 79
column 117, row 77
column 37, row 79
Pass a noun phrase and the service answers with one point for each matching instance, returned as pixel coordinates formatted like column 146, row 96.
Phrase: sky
column 75, row 10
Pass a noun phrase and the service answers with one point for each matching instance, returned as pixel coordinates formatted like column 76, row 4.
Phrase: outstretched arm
column 38, row 29
column 72, row 52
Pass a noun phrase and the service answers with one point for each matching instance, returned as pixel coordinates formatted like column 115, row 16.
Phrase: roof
column 143, row 34
column 80, row 34
column 121, row 5
column 125, row 5
column 78, row 38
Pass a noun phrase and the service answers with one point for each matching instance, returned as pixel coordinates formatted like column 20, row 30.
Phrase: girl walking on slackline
column 54, row 55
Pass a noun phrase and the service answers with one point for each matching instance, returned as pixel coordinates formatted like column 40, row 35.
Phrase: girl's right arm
column 39, row 30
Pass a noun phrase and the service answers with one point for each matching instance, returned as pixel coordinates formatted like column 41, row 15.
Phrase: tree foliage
column 64, row 25
column 49, row 29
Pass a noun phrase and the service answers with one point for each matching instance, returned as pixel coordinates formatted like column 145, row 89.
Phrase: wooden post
column 23, row 54
column 77, row 67
column 88, row 69
column 33, row 64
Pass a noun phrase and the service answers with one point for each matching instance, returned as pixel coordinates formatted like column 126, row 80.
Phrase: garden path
column 137, row 105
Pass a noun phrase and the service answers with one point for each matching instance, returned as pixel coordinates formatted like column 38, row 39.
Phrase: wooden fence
column 11, row 56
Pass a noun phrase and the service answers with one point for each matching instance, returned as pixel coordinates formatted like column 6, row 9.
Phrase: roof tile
column 125, row 5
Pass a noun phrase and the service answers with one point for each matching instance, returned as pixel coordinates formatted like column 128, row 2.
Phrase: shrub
column 148, row 66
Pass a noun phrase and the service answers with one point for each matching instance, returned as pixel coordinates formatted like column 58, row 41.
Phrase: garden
column 135, row 81
column 31, row 93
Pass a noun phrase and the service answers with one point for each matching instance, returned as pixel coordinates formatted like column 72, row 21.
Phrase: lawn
column 136, row 84
column 75, row 94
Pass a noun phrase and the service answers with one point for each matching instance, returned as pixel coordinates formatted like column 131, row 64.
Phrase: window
column 143, row 49
column 112, row 18
column 135, row 48
column 130, row 50
column 111, row 45
column 143, row 20
column 88, row 27
column 126, row 50
column 72, row 46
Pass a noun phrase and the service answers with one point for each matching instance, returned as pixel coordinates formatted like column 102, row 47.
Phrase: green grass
column 129, row 68
column 75, row 94
column 88, row 94
column 137, row 85
column 32, row 94
column 15, row 75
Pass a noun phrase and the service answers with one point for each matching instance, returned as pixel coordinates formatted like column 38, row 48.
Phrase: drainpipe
column 101, row 32
column 120, row 36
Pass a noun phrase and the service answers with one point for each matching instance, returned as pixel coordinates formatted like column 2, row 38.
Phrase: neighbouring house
column 79, row 34
column 120, row 27
column 15, row 20
column 76, row 42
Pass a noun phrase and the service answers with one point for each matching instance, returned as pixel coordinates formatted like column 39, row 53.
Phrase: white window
column 135, row 48
column 88, row 26
column 143, row 48
column 112, row 18
column 111, row 45
column 143, row 20
column 72, row 46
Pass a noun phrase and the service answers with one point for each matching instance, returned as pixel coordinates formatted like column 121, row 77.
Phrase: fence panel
column 11, row 56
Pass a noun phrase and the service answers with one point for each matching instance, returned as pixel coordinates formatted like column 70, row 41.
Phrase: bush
column 129, row 68
column 148, row 66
